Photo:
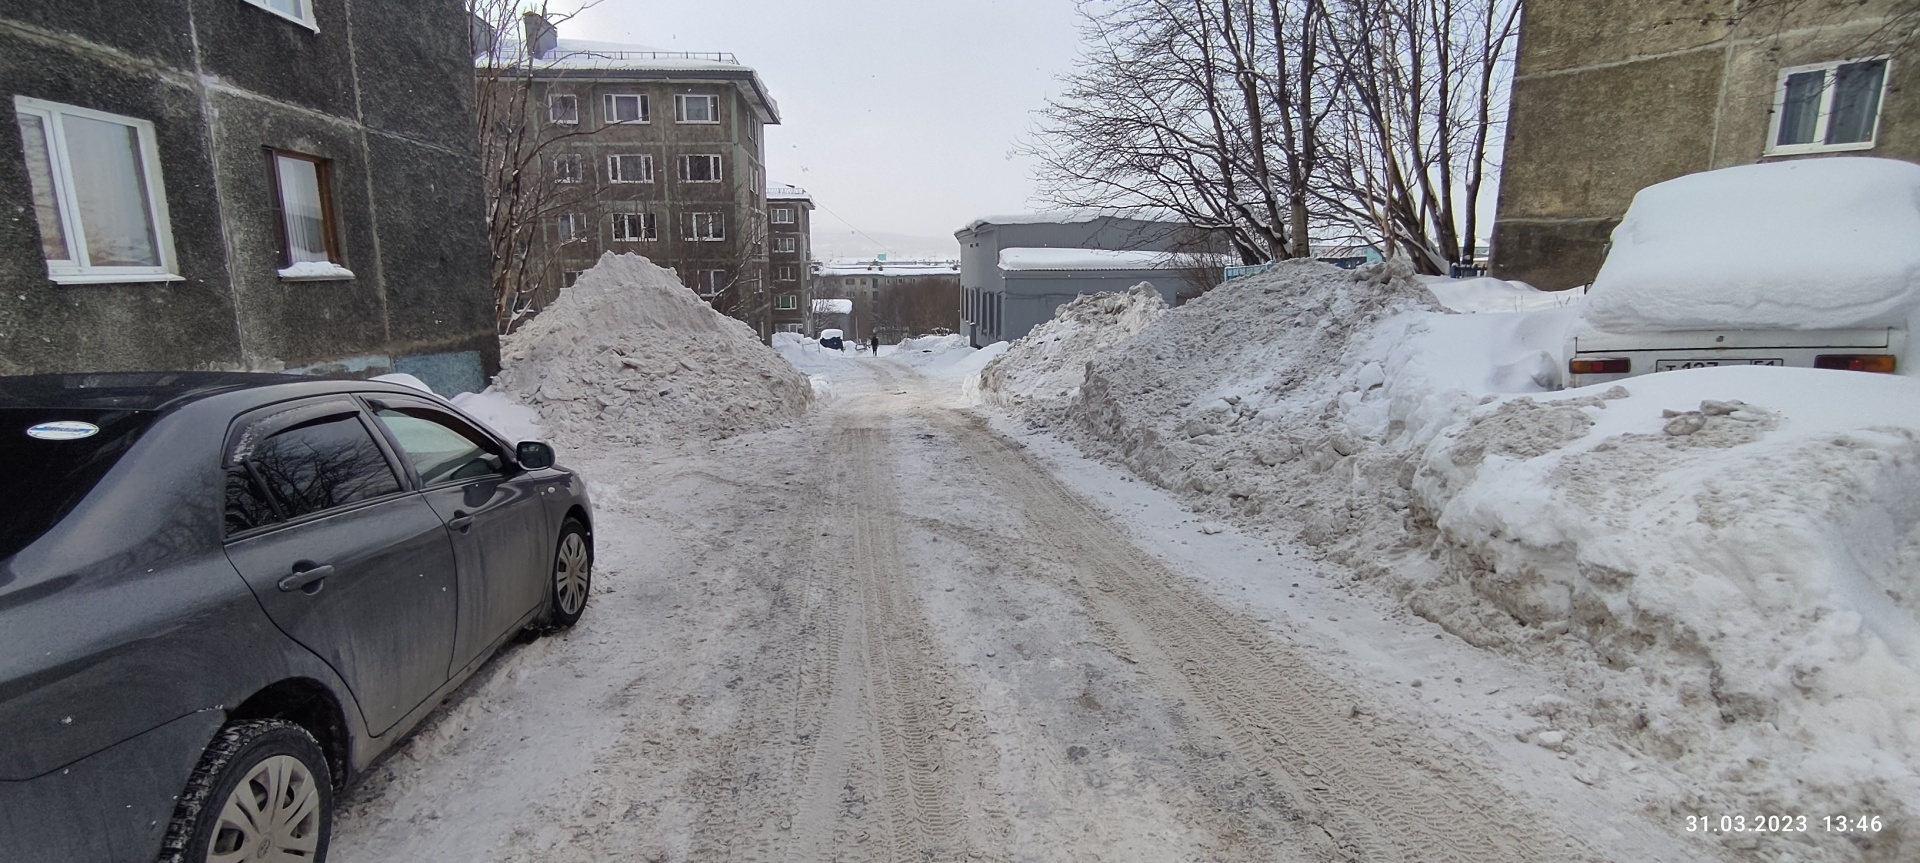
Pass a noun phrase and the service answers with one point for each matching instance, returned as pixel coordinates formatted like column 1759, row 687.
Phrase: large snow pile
column 1807, row 244
column 1731, row 591
column 630, row 354
column 1043, row 370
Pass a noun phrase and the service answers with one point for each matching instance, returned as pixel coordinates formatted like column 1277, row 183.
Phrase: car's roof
column 131, row 390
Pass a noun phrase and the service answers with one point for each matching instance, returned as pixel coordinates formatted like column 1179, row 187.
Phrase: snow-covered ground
column 1311, row 568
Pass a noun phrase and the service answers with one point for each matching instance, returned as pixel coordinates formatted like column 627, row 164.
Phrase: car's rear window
column 50, row 458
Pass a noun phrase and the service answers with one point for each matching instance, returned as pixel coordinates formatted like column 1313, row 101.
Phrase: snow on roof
column 585, row 54
column 900, row 268
column 784, row 192
column 833, row 307
column 1014, row 260
column 1808, row 244
column 1059, row 217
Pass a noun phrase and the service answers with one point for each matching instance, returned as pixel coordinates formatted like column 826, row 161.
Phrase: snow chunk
column 630, row 354
column 1044, row 370
column 1471, row 296
column 1810, row 244
column 509, row 419
column 315, row 271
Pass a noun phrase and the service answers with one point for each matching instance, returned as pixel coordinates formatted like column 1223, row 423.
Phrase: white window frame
column 573, row 176
column 686, row 167
column 704, row 279
column 786, row 244
column 607, row 103
column 787, row 303
column 75, row 269
column 1818, row 144
column 305, row 19
column 613, row 167
column 782, row 215
column 785, row 273
column 681, row 100
column 716, row 227
column 553, row 99
column 649, row 228
column 576, row 224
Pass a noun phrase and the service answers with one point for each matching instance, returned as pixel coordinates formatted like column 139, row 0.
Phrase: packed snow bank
column 512, row 420
column 1043, row 370
column 1486, row 294
column 630, row 354
column 1731, row 594
column 1809, row 244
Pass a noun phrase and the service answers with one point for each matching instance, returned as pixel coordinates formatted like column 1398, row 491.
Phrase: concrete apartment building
column 1015, row 271
column 893, row 299
column 1610, row 98
column 243, row 185
column 789, row 256
column 661, row 154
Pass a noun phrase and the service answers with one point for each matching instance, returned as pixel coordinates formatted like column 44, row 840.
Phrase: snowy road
column 892, row 633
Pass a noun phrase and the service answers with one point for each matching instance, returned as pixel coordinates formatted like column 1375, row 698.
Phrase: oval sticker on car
column 70, row 430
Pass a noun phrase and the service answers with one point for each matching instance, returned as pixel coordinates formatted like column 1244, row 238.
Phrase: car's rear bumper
column 110, row 807
column 1649, row 352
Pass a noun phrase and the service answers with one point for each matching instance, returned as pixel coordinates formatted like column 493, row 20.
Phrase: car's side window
column 310, row 467
column 440, row 450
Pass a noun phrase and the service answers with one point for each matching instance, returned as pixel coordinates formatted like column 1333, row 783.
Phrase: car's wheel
column 572, row 576
column 261, row 794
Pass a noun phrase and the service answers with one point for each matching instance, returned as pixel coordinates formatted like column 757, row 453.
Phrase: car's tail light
column 1883, row 363
column 1608, row 366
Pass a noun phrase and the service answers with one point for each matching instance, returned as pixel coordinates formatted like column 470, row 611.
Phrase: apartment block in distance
column 894, row 299
column 655, row 153
column 249, row 185
column 1609, row 98
column 789, row 253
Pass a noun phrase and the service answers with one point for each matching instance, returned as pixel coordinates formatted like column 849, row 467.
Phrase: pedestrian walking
column 873, row 341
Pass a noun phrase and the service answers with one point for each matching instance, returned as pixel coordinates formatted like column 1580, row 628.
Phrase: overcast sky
column 898, row 115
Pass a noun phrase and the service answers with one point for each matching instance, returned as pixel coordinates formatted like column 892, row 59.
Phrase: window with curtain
column 97, row 195
column 303, row 194
column 1828, row 107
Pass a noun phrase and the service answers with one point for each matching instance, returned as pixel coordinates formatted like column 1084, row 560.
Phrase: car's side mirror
column 533, row 455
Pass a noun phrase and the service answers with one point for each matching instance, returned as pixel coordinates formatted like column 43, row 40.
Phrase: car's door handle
column 303, row 577
column 460, row 521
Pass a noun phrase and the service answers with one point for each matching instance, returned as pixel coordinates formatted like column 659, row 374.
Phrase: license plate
column 1671, row 365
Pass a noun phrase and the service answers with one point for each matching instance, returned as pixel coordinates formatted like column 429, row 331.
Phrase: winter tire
column 572, row 576
column 262, row 793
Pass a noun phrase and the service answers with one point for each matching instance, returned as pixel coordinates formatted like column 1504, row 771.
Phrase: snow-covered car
column 222, row 595
column 1812, row 263
column 833, row 340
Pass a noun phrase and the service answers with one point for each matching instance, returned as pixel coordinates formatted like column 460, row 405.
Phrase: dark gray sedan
column 221, row 595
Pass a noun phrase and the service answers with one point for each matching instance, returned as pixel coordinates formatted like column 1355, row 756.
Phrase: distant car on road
column 1810, row 263
column 221, row 595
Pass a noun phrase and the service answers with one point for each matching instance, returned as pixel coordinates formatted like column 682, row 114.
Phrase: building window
column 709, row 283
column 753, row 181
column 788, row 302
column 297, row 11
column 570, row 227
column 783, row 215
column 568, row 277
column 303, row 198
column 625, row 108
column 783, row 273
column 791, row 328
column 563, row 108
column 566, row 168
column 706, row 227
column 1828, row 107
column 635, row 227
column 630, row 168
column 700, row 169
column 785, row 244
column 696, row 109
column 97, row 194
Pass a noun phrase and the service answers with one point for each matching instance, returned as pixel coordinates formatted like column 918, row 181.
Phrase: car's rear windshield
column 50, row 458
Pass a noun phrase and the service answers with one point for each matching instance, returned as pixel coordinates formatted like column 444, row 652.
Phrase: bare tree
column 531, row 204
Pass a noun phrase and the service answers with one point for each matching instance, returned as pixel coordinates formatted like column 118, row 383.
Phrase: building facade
column 1015, row 271
column 654, row 153
column 243, row 185
column 894, row 299
column 789, row 256
column 1611, row 98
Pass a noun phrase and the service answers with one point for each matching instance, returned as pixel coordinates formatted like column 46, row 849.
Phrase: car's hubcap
column 272, row 816
column 570, row 574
